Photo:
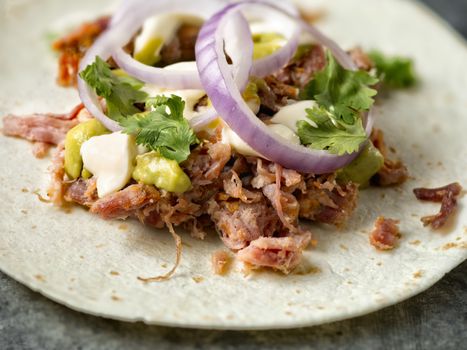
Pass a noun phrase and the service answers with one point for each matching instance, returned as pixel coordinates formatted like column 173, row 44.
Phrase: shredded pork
column 46, row 128
column 393, row 172
column 386, row 234
column 361, row 59
column 57, row 186
column 182, row 46
column 73, row 46
column 43, row 130
column 328, row 202
column 254, row 204
column 447, row 196
column 280, row 253
column 301, row 70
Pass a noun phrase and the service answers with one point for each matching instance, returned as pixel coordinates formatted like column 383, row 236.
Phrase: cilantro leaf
column 120, row 92
column 163, row 129
column 394, row 72
column 331, row 134
column 342, row 92
column 342, row 96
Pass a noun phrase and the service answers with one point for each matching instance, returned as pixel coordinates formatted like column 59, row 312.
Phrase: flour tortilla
column 92, row 265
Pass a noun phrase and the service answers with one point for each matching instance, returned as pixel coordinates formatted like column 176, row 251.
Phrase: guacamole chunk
column 266, row 44
column 153, row 169
column 73, row 141
column 362, row 169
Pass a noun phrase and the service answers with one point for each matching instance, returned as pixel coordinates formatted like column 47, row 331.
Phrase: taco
column 240, row 121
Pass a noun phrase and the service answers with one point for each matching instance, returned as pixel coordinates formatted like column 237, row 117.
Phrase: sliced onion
column 227, row 100
column 198, row 122
column 102, row 48
column 157, row 76
column 185, row 80
column 128, row 20
column 291, row 30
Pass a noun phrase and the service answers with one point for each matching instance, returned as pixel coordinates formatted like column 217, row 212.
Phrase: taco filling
column 241, row 117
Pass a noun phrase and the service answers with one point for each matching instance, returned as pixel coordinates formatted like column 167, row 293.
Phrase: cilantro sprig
column 160, row 127
column 331, row 133
column 120, row 92
column 342, row 96
column 395, row 72
column 163, row 129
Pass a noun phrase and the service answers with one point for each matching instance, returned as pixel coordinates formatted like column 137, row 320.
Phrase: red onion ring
column 136, row 12
column 157, row 76
column 125, row 23
column 119, row 33
column 188, row 79
column 227, row 100
column 272, row 63
column 101, row 48
column 198, row 122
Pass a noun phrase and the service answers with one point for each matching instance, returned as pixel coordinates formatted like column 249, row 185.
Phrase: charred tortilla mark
column 198, row 279
column 306, row 270
column 40, row 277
column 450, row 245
column 220, row 261
column 123, row 227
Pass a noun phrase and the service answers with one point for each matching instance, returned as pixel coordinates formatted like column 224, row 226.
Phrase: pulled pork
column 40, row 149
column 280, row 253
column 275, row 90
column 42, row 129
column 302, row 69
column 324, row 200
column 57, row 186
column 385, row 234
column 447, row 196
column 254, row 204
column 392, row 172
column 72, row 48
column 240, row 223
column 361, row 59
column 45, row 128
column 182, row 46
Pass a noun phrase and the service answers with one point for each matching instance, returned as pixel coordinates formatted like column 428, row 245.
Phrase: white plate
column 72, row 257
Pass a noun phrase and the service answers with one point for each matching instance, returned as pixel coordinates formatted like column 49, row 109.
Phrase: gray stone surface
column 436, row 319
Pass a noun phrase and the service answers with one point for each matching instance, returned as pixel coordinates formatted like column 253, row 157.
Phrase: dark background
column 436, row 319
